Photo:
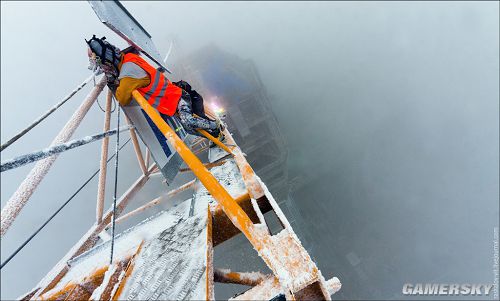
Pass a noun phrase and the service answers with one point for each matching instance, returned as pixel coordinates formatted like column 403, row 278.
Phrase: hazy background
column 390, row 111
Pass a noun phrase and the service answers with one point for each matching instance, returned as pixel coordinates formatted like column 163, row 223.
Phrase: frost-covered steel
column 90, row 238
column 171, row 265
column 56, row 149
column 164, row 155
column 36, row 175
column 118, row 19
column 173, row 259
column 282, row 252
column 46, row 114
column 175, row 254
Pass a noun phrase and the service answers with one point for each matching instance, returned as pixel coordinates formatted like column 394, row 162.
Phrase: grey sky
column 390, row 110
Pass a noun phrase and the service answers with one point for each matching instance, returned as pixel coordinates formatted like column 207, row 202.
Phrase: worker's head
column 103, row 55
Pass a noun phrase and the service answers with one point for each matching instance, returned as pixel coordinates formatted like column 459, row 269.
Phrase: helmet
column 103, row 55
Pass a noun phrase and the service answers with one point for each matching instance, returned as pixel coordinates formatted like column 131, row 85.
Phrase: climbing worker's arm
column 127, row 85
column 131, row 78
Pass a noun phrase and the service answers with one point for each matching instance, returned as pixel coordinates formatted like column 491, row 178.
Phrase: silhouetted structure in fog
column 232, row 83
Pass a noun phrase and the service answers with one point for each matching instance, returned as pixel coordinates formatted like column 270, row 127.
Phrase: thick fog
column 390, row 111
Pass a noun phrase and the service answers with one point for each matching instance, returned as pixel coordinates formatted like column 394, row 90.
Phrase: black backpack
column 196, row 99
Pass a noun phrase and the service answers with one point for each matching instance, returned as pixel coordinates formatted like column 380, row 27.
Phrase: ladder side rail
column 57, row 149
column 218, row 192
column 137, row 148
column 101, row 186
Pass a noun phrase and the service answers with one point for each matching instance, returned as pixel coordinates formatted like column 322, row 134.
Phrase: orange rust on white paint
column 70, row 287
column 137, row 148
column 128, row 272
column 88, row 239
column 209, row 272
column 270, row 248
column 243, row 278
column 267, row 289
column 230, row 207
column 103, row 163
column 247, row 172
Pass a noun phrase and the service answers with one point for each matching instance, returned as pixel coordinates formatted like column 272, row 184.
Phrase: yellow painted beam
column 218, row 192
column 216, row 141
column 274, row 250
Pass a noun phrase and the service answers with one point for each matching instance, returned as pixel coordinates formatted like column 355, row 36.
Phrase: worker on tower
column 126, row 71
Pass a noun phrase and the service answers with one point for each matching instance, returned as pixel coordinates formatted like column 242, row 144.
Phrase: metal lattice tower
column 170, row 254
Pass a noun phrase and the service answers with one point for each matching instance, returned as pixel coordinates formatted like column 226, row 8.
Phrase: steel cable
column 56, row 149
column 116, row 185
column 57, row 211
column 50, row 111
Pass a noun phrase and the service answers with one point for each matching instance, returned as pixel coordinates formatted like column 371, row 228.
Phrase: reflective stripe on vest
column 160, row 93
column 153, row 87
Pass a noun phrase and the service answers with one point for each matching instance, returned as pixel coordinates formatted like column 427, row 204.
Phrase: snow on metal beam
column 56, row 149
column 137, row 147
column 46, row 114
column 155, row 202
column 89, row 239
column 101, row 186
column 17, row 201
column 247, row 172
column 283, row 253
column 244, row 278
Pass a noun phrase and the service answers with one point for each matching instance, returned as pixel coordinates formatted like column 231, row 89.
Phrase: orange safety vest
column 160, row 93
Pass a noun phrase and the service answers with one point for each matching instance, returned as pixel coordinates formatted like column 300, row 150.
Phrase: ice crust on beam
column 172, row 262
column 333, row 285
column 229, row 176
column 283, row 252
column 172, row 265
column 150, row 231
column 266, row 290
column 270, row 288
column 19, row 199
column 245, row 278
column 96, row 295
column 298, row 271
column 216, row 153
